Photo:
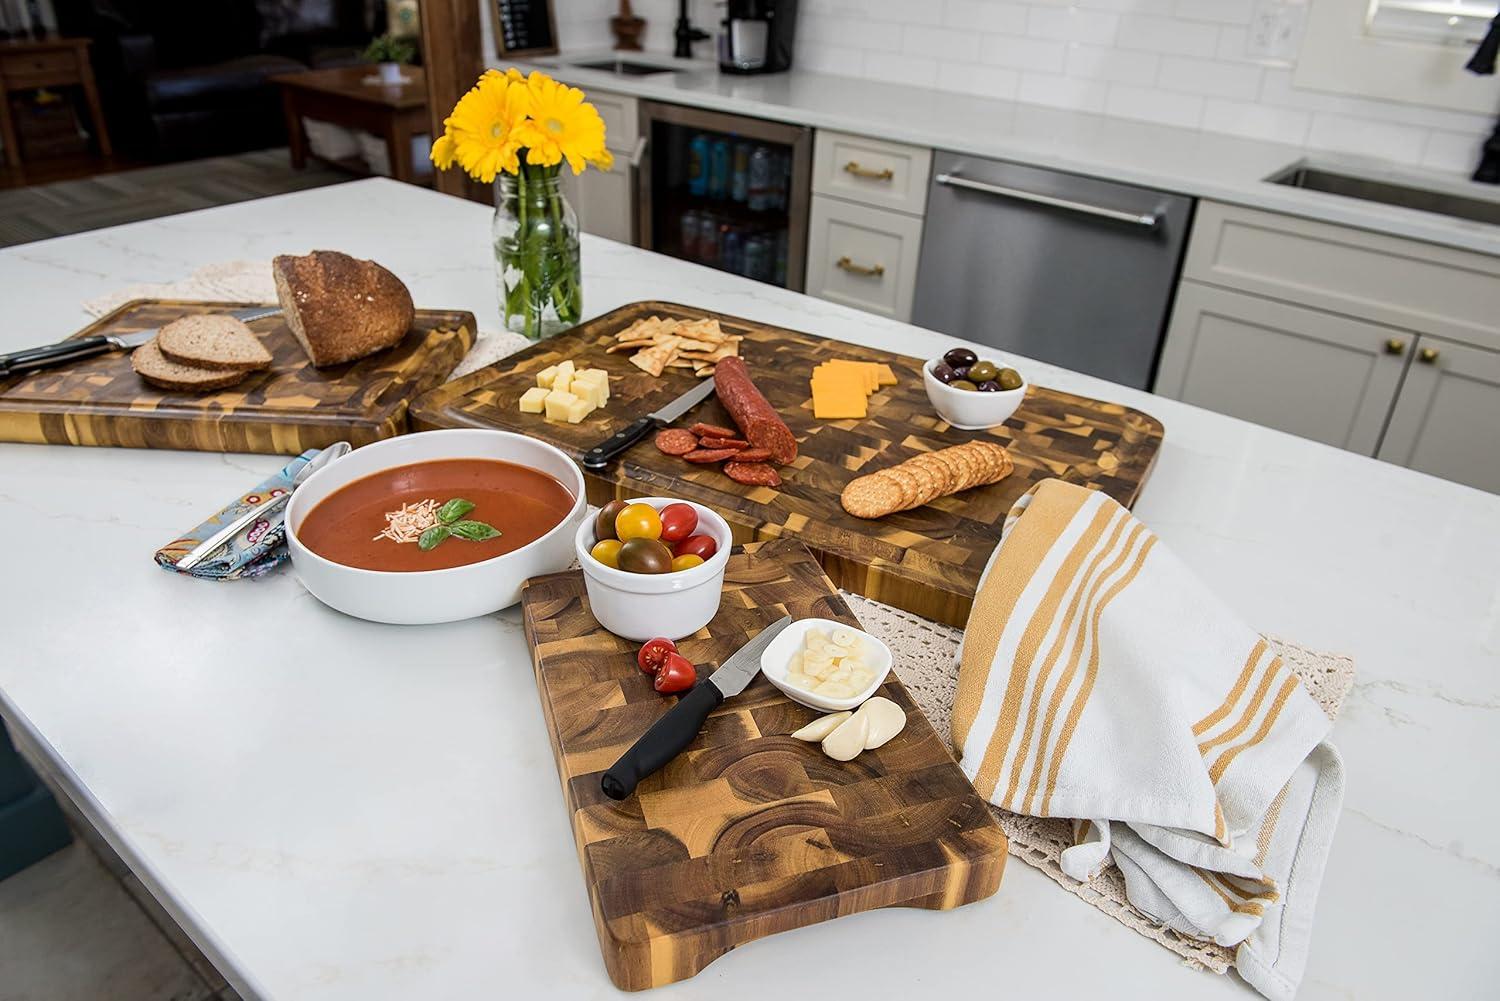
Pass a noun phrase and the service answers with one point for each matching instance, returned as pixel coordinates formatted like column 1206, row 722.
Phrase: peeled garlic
column 845, row 743
column 873, row 724
column 886, row 720
column 822, row 726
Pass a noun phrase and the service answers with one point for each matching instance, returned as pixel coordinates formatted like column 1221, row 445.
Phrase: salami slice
column 712, row 431
column 676, row 441
column 757, row 419
column 735, row 443
column 753, row 473
column 706, row 455
column 754, row 455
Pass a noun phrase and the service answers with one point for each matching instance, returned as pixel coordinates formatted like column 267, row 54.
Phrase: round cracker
column 927, row 483
column 870, row 496
column 941, row 473
column 906, row 482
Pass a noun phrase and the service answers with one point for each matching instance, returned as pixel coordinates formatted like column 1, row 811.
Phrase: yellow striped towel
column 1100, row 681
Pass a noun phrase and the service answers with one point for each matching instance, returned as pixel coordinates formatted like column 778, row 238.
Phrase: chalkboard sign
column 525, row 28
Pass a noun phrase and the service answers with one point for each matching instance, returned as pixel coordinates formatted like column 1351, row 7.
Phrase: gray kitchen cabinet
column 1447, row 416
column 1311, row 373
column 605, row 199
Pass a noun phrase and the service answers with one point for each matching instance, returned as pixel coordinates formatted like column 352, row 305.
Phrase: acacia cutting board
column 747, row 832
column 927, row 560
column 290, row 408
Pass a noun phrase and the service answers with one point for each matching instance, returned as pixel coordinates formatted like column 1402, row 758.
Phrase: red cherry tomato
column 654, row 654
column 697, row 545
column 677, row 674
column 678, row 521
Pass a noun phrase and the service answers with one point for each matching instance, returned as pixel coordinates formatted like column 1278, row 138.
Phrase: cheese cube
column 586, row 389
column 596, row 376
column 546, row 377
column 558, row 401
column 565, row 371
column 533, row 401
column 578, row 410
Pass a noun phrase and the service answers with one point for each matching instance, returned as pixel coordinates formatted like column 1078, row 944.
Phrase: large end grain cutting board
column 927, row 560
column 748, row 832
column 292, row 407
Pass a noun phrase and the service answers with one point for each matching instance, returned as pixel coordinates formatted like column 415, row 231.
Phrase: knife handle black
column 603, row 453
column 663, row 742
column 54, row 354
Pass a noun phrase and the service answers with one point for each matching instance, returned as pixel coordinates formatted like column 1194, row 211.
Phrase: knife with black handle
column 602, row 454
column 669, row 735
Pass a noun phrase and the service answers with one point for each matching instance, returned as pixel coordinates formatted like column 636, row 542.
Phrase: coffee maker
column 757, row 36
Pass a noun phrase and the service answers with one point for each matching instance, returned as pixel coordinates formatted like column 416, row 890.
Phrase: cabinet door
column 1447, row 415
column 1310, row 373
column 604, row 200
column 863, row 257
column 881, row 174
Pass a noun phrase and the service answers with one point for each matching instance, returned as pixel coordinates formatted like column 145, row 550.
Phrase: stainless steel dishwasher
column 1060, row 267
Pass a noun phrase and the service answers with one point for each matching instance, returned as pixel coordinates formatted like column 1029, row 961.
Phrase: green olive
column 982, row 371
column 963, row 384
column 1009, row 378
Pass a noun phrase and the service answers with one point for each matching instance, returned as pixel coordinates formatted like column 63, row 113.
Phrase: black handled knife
column 669, row 735
column 603, row 453
column 77, row 348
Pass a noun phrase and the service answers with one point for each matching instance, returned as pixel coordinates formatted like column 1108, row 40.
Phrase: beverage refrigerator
column 726, row 191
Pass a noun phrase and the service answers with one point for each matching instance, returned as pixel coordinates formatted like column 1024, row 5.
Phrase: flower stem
column 523, row 235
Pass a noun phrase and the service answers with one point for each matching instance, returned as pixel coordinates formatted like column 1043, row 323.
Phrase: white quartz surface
column 1203, row 164
column 338, row 810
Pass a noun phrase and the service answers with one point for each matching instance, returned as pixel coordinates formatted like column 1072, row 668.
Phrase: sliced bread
column 159, row 370
column 212, row 340
column 341, row 308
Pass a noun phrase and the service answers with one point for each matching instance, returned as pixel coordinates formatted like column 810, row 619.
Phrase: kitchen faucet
column 1483, row 63
column 686, row 34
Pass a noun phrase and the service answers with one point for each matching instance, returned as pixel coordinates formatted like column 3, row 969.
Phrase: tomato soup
column 383, row 521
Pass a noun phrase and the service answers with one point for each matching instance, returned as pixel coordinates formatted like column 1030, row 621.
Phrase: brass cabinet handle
column 1427, row 356
column 1395, row 346
column 869, row 271
column 853, row 167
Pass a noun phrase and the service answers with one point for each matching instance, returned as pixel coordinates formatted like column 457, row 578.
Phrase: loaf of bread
column 159, row 370
column 339, row 307
column 213, row 340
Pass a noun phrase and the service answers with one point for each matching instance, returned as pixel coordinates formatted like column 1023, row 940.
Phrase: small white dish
column 776, row 659
column 971, row 410
column 641, row 606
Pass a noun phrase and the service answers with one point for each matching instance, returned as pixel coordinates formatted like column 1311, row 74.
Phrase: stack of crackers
column 926, row 477
column 660, row 344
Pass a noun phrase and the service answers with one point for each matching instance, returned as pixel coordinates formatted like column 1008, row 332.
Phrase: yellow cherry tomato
column 607, row 551
column 687, row 561
column 638, row 521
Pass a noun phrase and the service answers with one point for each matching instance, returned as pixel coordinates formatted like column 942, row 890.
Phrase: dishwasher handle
column 1149, row 220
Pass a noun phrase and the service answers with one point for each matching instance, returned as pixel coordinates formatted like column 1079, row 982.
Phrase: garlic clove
column 848, row 740
column 821, row 727
column 886, row 719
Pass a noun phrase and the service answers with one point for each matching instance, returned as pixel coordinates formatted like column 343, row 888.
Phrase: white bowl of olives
column 973, row 393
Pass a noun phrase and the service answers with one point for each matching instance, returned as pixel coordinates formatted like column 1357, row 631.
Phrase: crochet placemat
column 926, row 663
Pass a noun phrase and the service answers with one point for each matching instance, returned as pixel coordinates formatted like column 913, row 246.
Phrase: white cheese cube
column 533, row 401
column 565, row 371
column 578, row 410
column 558, row 401
column 546, row 377
column 587, row 390
column 596, row 376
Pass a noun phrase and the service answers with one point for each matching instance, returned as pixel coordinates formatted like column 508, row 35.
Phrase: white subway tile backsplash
column 1062, row 91
column 1073, row 24
column 1151, row 105
column 834, row 60
column 897, row 67
column 941, row 43
column 1209, row 77
column 1101, row 62
column 1402, row 143
column 1256, row 121
column 1167, row 34
column 883, row 36
column 995, row 82
column 1225, row 11
column 1023, row 53
column 1452, row 151
column 979, row 15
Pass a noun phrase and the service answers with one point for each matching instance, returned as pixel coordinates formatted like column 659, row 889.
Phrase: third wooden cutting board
column 927, row 560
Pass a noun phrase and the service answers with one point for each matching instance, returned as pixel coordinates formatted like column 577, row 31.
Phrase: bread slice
column 341, row 308
column 212, row 340
column 159, row 370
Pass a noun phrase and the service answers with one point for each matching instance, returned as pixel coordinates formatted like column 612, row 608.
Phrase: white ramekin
column 777, row 658
column 641, row 606
column 971, row 410
column 425, row 596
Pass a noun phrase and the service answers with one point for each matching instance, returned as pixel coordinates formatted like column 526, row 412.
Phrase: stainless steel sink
column 1388, row 192
column 624, row 67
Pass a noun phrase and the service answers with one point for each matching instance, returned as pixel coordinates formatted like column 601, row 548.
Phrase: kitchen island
column 336, row 810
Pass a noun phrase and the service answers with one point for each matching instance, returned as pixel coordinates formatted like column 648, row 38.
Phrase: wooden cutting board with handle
column 927, row 560
column 748, row 832
column 283, row 411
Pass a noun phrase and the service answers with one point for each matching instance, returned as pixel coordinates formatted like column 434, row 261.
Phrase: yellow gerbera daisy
column 561, row 126
column 482, row 134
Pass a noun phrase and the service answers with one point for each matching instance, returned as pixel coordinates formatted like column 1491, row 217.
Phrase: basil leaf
column 474, row 531
column 433, row 536
column 454, row 510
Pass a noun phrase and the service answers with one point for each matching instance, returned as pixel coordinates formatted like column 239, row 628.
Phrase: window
column 1446, row 22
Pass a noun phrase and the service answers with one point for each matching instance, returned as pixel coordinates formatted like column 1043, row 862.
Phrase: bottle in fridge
column 759, row 195
column 718, row 168
column 698, row 165
column 739, row 178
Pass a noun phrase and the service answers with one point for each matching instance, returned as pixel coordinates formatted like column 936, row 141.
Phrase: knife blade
column 602, row 454
column 669, row 735
column 76, row 348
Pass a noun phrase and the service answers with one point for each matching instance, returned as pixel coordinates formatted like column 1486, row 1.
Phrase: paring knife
column 601, row 454
column 32, row 359
column 676, row 730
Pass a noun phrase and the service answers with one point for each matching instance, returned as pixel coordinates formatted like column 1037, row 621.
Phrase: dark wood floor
column 40, row 211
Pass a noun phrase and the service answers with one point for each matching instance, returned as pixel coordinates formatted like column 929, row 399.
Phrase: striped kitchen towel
column 1101, row 682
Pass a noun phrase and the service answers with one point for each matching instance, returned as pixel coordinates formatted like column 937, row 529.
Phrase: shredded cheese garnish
column 408, row 523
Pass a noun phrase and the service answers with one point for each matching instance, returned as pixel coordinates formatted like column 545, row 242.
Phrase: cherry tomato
column 645, row 556
column 604, row 521
column 701, row 546
column 686, row 562
column 637, row 521
column 607, row 551
column 654, row 653
column 676, row 674
column 678, row 521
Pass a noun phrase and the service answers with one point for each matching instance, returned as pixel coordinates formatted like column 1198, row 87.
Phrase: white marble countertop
column 1203, row 164
column 337, row 810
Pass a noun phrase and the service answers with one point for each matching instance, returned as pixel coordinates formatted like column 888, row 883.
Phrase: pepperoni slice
column 753, row 473
column 676, row 441
column 712, row 431
column 753, row 455
column 735, row 443
column 706, row 455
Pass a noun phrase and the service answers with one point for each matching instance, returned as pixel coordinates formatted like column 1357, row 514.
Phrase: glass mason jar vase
column 536, row 254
